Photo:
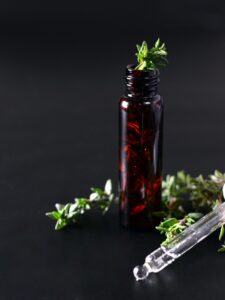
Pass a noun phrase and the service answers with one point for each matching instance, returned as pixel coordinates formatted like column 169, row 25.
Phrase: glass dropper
column 169, row 252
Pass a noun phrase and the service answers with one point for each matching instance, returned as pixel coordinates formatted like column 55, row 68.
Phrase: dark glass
column 140, row 149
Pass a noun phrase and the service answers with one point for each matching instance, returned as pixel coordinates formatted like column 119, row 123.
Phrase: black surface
column 61, row 74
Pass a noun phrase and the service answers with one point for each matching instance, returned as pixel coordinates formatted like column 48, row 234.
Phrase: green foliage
column 69, row 213
column 185, row 199
column 221, row 249
column 222, row 230
column 172, row 226
column 151, row 58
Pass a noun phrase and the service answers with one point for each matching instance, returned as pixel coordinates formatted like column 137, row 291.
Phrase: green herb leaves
column 172, row 226
column 70, row 212
column 185, row 199
column 183, row 193
column 151, row 58
column 222, row 232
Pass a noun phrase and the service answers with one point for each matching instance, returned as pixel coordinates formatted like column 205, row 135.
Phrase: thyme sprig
column 185, row 199
column 151, row 58
column 173, row 226
column 66, row 214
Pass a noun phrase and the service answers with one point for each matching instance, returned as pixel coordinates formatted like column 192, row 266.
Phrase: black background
column 61, row 74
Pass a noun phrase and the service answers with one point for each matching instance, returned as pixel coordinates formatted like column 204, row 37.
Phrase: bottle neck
column 141, row 83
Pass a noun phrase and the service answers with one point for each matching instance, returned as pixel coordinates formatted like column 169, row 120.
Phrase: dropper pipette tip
column 141, row 272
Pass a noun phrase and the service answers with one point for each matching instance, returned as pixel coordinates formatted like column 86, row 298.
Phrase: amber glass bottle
column 140, row 149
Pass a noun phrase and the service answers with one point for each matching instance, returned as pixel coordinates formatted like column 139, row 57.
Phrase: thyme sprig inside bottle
column 140, row 139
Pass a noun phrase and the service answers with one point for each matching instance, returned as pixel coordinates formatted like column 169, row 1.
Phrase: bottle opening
column 141, row 83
